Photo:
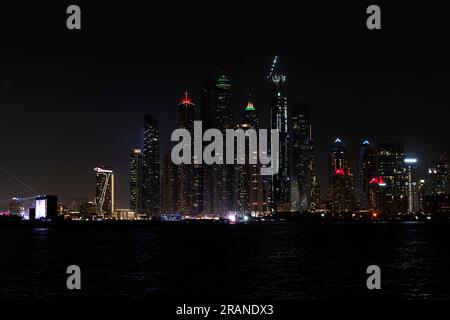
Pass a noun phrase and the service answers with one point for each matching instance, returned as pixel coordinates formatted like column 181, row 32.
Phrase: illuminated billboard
column 41, row 208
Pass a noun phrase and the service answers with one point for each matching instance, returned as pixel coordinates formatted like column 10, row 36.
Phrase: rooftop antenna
column 272, row 68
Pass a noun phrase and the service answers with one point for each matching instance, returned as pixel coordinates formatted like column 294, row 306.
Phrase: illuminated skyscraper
column 366, row 171
column 104, row 191
column 187, row 179
column 151, row 167
column 390, row 166
column 340, row 185
column 376, row 200
column 206, row 172
column 411, row 184
column 279, row 120
column 438, row 180
column 249, row 188
column 337, row 159
column 303, row 158
column 224, row 191
column 136, row 180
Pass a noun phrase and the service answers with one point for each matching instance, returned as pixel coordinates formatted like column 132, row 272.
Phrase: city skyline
column 353, row 161
column 78, row 99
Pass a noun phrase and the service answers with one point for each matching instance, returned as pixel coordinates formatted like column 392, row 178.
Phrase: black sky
column 72, row 100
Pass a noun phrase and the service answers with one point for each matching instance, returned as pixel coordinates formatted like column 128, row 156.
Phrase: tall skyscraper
column 104, row 191
column 303, row 158
column 136, row 180
column 151, row 167
column 279, row 120
column 187, row 202
column 340, row 185
column 366, row 171
column 206, row 172
column 169, row 185
column 390, row 166
column 224, row 191
column 249, row 189
column 411, row 184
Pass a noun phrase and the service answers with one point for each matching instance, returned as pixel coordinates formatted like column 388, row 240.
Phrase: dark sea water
column 279, row 261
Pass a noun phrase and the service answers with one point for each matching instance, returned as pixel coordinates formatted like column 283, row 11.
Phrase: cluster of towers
column 386, row 181
column 163, row 187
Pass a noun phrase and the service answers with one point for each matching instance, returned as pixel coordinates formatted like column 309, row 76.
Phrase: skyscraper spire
column 272, row 68
column 250, row 106
column 186, row 99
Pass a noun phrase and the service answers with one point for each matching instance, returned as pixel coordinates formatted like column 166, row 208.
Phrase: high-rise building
column 411, row 184
column 188, row 189
column 249, row 190
column 390, row 166
column 337, row 159
column 279, row 120
column 438, row 180
column 422, row 192
column 376, row 201
column 104, row 191
column 151, row 167
column 340, row 185
column 303, row 163
column 224, row 174
column 136, row 180
column 169, row 185
column 366, row 171
column 206, row 172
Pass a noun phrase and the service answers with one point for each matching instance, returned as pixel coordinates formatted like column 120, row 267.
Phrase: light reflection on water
column 273, row 261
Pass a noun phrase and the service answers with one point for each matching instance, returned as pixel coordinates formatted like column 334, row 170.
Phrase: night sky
column 73, row 100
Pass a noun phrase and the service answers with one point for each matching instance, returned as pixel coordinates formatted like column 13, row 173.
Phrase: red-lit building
column 340, row 189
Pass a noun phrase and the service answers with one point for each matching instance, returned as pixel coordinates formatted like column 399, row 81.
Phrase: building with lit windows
column 151, row 168
column 224, row 175
column 390, row 166
column 104, row 191
column 340, row 197
column 303, row 163
column 366, row 171
column 281, row 184
column 411, row 184
column 206, row 172
column 438, row 176
column 249, row 184
column 169, row 185
column 187, row 178
column 136, row 180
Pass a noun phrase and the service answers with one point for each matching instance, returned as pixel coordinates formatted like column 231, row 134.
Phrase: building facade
column 169, row 185
column 224, row 174
column 151, row 168
column 104, row 190
column 249, row 180
column 367, row 170
column 136, row 180
column 279, row 120
column 187, row 178
column 303, row 163
column 390, row 166
column 340, row 196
